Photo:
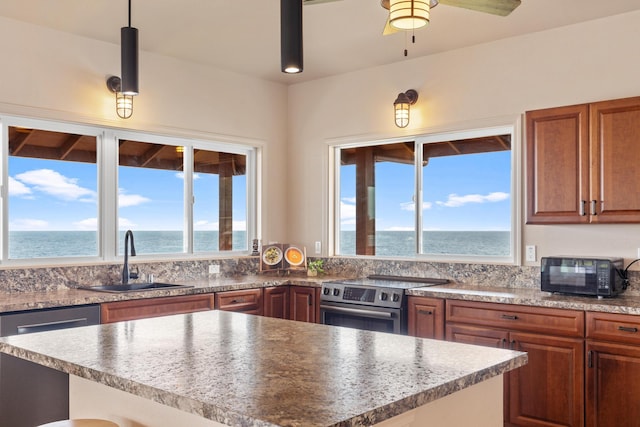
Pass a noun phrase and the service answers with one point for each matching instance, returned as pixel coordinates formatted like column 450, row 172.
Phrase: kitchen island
column 235, row 369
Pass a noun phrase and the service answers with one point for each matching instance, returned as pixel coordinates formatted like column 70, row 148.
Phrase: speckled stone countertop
column 624, row 304
column 240, row 369
column 19, row 301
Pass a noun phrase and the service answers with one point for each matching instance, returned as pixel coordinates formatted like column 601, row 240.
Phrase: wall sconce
column 124, row 102
column 401, row 107
column 409, row 14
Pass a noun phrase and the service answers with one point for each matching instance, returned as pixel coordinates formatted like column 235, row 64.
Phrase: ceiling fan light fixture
column 409, row 14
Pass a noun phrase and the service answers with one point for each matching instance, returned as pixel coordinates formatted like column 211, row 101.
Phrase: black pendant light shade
column 129, row 58
column 291, row 36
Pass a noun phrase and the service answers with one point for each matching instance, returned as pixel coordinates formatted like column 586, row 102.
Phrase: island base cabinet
column 613, row 386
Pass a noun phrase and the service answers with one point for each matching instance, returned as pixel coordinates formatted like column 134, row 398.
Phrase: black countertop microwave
column 597, row 276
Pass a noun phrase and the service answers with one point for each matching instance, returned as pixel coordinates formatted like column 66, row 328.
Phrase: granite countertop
column 239, row 369
column 622, row 304
column 19, row 301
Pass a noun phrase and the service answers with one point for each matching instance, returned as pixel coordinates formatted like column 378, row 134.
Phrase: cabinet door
column 426, row 317
column 276, row 302
column 613, row 388
column 615, row 135
column 549, row 389
column 245, row 301
column 557, row 148
column 304, row 305
column 151, row 307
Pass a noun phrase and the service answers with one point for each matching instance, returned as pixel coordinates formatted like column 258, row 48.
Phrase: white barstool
column 80, row 423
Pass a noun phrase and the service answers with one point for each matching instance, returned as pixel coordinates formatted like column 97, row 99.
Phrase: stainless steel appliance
column 598, row 276
column 377, row 303
column 31, row 394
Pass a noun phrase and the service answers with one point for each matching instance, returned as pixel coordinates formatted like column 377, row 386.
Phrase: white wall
column 486, row 84
column 54, row 75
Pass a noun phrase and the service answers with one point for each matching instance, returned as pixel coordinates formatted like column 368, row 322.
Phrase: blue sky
column 468, row 192
column 58, row 195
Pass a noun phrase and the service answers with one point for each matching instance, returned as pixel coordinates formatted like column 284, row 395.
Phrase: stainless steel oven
column 377, row 303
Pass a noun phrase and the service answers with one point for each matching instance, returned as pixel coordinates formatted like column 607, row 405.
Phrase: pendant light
column 291, row 56
column 129, row 58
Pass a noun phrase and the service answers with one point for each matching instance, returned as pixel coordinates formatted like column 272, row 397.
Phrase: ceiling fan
column 493, row 7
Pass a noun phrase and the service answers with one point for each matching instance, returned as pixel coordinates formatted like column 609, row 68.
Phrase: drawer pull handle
column 428, row 312
column 509, row 317
column 593, row 207
column 627, row 329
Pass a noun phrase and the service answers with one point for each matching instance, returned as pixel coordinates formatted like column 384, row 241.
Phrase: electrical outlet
column 638, row 254
column 319, row 247
column 531, row 253
column 214, row 269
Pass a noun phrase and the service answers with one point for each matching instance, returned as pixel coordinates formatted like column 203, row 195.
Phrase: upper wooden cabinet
column 579, row 163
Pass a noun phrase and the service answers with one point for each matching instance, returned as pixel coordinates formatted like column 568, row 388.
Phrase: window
column 73, row 191
column 53, row 203
column 462, row 185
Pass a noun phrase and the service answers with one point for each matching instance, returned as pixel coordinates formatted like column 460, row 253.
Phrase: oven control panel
column 364, row 295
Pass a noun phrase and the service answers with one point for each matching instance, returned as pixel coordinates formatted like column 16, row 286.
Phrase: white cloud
column 55, row 184
column 125, row 223
column 348, row 211
column 454, row 201
column 125, row 200
column 411, row 206
column 398, row 228
column 180, row 175
column 27, row 224
column 90, row 224
column 16, row 188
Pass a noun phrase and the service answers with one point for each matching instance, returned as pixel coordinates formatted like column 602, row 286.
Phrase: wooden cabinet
column 276, row 302
column 304, row 304
column 245, row 301
column 152, row 307
column 613, row 369
column 425, row 317
column 578, row 167
column 549, row 390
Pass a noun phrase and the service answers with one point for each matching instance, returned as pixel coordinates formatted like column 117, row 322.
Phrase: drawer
column 517, row 317
column 249, row 300
column 613, row 327
column 152, row 307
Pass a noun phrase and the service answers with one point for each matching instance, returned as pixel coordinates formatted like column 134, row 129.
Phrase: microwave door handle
column 368, row 313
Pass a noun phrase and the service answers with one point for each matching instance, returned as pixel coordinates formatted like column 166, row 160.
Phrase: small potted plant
column 315, row 267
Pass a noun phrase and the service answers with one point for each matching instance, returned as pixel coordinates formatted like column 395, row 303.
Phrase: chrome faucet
column 126, row 274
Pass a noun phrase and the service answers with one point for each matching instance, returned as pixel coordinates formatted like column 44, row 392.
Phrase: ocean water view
column 53, row 244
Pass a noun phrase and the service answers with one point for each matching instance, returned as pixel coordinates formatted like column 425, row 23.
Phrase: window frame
column 419, row 140
column 107, row 169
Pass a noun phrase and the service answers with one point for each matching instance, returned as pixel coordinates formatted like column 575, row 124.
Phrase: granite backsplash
column 30, row 279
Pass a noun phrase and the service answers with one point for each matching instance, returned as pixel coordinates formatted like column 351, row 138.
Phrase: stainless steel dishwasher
column 32, row 394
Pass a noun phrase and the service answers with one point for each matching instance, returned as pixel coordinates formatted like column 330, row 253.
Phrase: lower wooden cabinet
column 304, row 305
column 613, row 370
column 276, row 302
column 152, row 307
column 425, row 317
column 244, row 301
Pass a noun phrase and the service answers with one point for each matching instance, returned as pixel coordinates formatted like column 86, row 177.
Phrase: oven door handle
column 368, row 313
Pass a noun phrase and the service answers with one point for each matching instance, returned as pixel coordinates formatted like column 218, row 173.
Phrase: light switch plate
column 318, row 247
column 530, row 253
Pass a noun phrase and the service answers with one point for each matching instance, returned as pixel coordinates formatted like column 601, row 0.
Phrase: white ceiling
column 341, row 36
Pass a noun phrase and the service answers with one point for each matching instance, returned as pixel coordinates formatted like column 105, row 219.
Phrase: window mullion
column 418, row 194
column 108, row 200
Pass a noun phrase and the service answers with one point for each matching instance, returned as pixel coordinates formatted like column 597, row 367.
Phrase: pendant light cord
column 129, row 13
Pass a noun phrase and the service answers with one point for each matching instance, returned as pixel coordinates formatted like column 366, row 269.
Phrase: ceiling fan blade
column 494, row 7
column 388, row 29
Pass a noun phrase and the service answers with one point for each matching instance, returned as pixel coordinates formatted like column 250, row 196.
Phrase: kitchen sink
column 134, row 287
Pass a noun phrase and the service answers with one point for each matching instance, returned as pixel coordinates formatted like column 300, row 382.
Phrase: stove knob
column 395, row 298
column 336, row 292
column 326, row 291
column 383, row 296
